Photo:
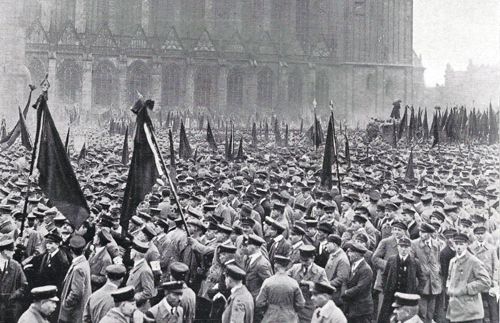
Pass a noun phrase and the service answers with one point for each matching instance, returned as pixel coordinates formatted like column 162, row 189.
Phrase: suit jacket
column 428, row 257
column 51, row 272
column 387, row 247
column 357, row 297
column 114, row 316
column 337, row 271
column 163, row 315
column 188, row 304
column 240, row 307
column 467, row 279
column 415, row 277
column 12, row 287
column 321, row 258
column 141, row 278
column 32, row 315
column 257, row 272
column 281, row 248
column 173, row 249
column 98, row 261
column 313, row 274
column 76, row 291
column 99, row 303
column 485, row 253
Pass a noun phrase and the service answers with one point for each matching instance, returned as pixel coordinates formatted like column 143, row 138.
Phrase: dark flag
column 8, row 139
column 66, row 143
column 410, row 171
column 145, row 166
column 443, row 120
column 240, row 155
column 254, row 135
column 25, row 135
column 425, row 126
column 266, row 132
column 286, row 135
column 231, row 143
column 435, row 131
column 493, row 126
column 210, row 138
column 125, row 153
column 394, row 134
column 172, row 152
column 57, row 178
column 226, row 147
column 412, row 125
column 83, row 153
column 168, row 119
column 326, row 171
column 403, row 124
column 301, row 125
column 347, row 150
column 317, row 135
column 185, row 150
column 277, row 133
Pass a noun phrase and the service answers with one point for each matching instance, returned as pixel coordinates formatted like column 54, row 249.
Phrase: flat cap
column 124, row 294
column 404, row 299
column 45, row 292
column 235, row 272
column 77, row 242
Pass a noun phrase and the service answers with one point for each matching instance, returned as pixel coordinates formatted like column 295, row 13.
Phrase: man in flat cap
column 99, row 258
column 406, row 308
column 257, row 267
column 279, row 245
column 357, row 296
column 467, row 279
column 326, row 311
column 337, row 267
column 306, row 273
column 178, row 272
column 169, row 309
column 280, row 295
column 402, row 274
column 141, row 276
column 426, row 251
column 124, row 308
column 77, row 284
column 240, row 305
column 44, row 303
column 387, row 248
column 12, row 282
column 101, row 301
column 485, row 252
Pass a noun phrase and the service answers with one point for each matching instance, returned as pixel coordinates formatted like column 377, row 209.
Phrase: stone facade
column 234, row 57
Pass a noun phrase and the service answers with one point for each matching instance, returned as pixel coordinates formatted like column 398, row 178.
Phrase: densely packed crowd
column 265, row 242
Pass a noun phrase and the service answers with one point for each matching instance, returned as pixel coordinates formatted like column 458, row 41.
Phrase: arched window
column 322, row 90
column 37, row 71
column 203, row 87
column 302, row 20
column 70, row 77
column 171, row 85
column 104, row 84
column 235, row 89
column 265, row 88
column 139, row 80
column 295, row 88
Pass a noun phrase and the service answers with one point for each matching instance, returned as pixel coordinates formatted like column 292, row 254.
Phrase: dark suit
column 50, row 271
column 401, row 277
column 357, row 297
column 258, row 271
column 99, row 304
column 281, row 248
column 321, row 256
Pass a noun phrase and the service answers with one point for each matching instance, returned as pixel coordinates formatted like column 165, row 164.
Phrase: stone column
column 222, row 88
column 86, row 103
column 80, row 16
column 250, row 91
column 145, row 17
column 189, row 98
column 156, row 81
column 122, row 82
column 52, row 70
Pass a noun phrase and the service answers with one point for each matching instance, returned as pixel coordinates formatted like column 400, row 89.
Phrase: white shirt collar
column 356, row 264
column 278, row 238
column 167, row 305
column 298, row 244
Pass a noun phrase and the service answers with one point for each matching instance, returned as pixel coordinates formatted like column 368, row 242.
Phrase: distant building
column 235, row 57
column 477, row 86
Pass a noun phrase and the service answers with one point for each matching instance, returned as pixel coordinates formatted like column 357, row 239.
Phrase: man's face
column 331, row 247
column 8, row 253
column 397, row 232
column 220, row 237
column 128, row 308
column 403, row 251
column 306, row 261
column 210, row 234
column 355, row 225
column 311, row 230
column 47, row 307
column 319, row 300
column 401, row 314
column 51, row 246
column 272, row 232
column 352, row 255
column 460, row 247
column 174, row 298
column 345, row 205
column 322, row 235
column 246, row 229
column 294, row 238
column 425, row 236
column 480, row 237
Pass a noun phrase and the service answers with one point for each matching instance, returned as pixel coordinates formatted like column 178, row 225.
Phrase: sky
column 454, row 31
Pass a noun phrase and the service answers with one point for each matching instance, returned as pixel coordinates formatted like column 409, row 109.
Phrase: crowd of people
column 259, row 238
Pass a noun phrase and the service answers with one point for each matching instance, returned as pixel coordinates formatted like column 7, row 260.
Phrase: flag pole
column 170, row 183
column 336, row 151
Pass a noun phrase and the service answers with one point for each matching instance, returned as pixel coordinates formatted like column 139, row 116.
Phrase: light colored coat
column 257, row 272
column 387, row 247
column 32, row 315
column 337, row 271
column 163, row 315
column 98, row 261
column 282, row 297
column 141, row 278
column 467, row 278
column 239, row 307
column 114, row 316
column 428, row 258
column 76, row 291
column 329, row 313
column 99, row 303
